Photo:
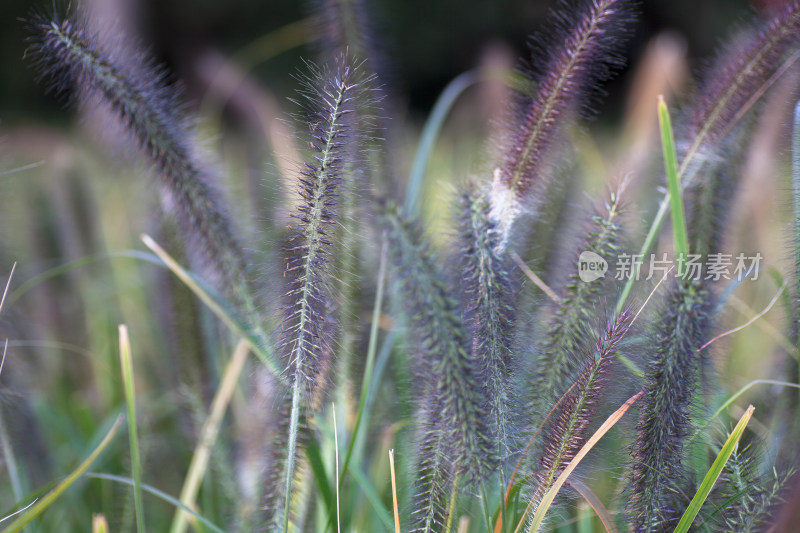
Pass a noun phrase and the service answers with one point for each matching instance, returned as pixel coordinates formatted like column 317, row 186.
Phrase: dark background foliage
column 427, row 42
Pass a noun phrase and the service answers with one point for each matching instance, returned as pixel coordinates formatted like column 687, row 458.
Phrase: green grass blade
column 69, row 266
column 208, row 434
column 713, row 473
column 323, row 483
column 215, row 303
column 796, row 200
column 673, row 181
column 369, row 368
column 161, row 495
column 733, row 398
column 40, row 506
column 429, row 133
column 130, row 402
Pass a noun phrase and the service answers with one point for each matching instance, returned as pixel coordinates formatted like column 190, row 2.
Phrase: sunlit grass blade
column 548, row 498
column 673, row 181
column 394, row 493
column 130, row 403
column 162, row 496
column 99, row 524
column 208, row 434
column 215, row 303
column 54, row 494
column 713, row 473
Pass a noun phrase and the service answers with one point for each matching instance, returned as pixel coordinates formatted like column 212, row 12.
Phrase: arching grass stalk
column 565, row 436
column 70, row 58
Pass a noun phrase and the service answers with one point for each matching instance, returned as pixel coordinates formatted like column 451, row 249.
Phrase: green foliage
column 486, row 396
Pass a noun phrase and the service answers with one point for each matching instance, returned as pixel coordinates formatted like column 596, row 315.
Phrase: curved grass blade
column 54, row 494
column 218, row 306
column 429, row 133
column 130, row 402
column 550, row 495
column 208, row 435
column 733, row 398
column 713, row 473
column 69, row 266
column 159, row 494
column 591, row 498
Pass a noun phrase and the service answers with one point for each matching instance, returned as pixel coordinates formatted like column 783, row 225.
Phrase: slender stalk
column 796, row 198
column 130, row 402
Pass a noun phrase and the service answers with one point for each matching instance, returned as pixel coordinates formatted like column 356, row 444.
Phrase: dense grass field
column 564, row 298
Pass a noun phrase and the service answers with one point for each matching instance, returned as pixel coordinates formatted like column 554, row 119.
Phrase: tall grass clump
column 520, row 378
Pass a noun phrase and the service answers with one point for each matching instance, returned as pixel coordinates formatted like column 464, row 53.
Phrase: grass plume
column 565, row 436
column 307, row 328
column 739, row 75
column 70, row 59
column 488, row 289
column 584, row 57
column 657, row 476
column 456, row 442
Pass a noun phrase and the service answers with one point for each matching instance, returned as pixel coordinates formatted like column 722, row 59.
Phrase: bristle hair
column 566, row 434
column 657, row 476
column 456, row 437
column 488, row 293
column 586, row 56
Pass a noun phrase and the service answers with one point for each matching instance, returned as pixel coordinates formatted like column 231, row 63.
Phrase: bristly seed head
column 586, row 56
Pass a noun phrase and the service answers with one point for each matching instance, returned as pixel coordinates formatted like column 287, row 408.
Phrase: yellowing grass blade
column 269, row 359
column 550, row 495
column 208, row 435
column 99, row 523
column 54, row 494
